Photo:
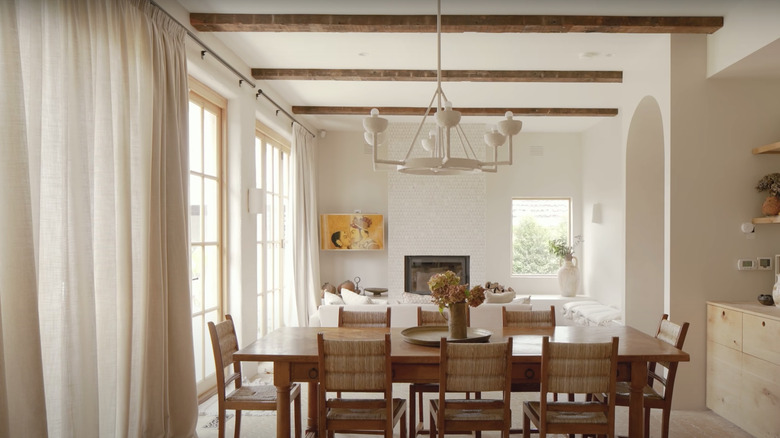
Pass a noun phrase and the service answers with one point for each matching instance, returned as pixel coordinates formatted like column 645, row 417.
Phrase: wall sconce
column 595, row 215
column 749, row 229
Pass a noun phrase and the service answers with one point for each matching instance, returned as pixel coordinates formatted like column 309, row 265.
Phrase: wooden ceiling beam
column 416, row 111
column 446, row 75
column 208, row 22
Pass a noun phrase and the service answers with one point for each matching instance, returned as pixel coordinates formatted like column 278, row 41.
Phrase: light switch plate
column 746, row 264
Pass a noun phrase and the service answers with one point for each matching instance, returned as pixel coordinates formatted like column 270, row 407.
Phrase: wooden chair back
column 431, row 317
column 357, row 365
column 363, row 319
column 473, row 367
column 528, row 318
column 575, row 368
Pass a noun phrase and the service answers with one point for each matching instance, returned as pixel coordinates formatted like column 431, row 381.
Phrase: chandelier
column 437, row 157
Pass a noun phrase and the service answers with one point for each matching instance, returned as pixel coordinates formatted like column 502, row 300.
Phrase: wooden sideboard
column 743, row 365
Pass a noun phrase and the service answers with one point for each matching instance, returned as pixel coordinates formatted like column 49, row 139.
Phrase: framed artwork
column 352, row 232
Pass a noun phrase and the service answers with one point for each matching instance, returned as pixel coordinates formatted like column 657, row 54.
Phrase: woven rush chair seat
column 473, row 368
column 224, row 343
column 360, row 366
column 574, row 368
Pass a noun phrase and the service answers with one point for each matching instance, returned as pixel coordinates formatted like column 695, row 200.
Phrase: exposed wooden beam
column 451, row 23
column 430, row 75
column 416, row 111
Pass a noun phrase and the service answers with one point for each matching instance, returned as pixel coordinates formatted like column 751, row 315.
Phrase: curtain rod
column 207, row 48
column 260, row 93
column 230, row 67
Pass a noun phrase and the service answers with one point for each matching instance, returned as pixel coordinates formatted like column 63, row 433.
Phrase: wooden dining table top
column 299, row 344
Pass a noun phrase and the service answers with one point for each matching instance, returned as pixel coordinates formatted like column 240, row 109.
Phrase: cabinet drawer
column 760, row 395
column 724, row 326
column 760, row 338
column 724, row 381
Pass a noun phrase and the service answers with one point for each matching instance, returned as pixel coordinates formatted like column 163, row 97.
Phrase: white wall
column 445, row 214
column 346, row 183
column 714, row 125
column 545, row 165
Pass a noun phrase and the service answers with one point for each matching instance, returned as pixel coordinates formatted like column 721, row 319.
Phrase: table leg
column 636, row 404
column 282, row 383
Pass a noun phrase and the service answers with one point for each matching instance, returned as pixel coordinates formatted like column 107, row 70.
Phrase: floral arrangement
column 446, row 289
column 770, row 183
column 562, row 249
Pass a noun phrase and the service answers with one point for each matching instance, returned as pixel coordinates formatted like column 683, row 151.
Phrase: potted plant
column 562, row 249
column 770, row 183
column 568, row 274
column 446, row 291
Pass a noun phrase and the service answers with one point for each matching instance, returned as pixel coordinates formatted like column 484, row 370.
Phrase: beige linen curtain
column 306, row 250
column 95, row 330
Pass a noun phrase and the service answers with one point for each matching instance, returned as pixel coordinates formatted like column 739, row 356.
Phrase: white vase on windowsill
column 569, row 277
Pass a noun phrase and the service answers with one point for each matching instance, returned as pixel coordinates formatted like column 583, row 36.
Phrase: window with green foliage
column 535, row 222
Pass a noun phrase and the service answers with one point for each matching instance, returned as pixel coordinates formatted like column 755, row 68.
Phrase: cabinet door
column 724, row 381
column 760, row 338
column 724, row 326
column 760, row 395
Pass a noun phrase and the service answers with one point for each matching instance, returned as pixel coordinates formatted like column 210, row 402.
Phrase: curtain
column 306, row 249
column 95, row 329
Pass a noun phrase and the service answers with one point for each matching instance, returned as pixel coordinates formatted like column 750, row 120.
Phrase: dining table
column 293, row 352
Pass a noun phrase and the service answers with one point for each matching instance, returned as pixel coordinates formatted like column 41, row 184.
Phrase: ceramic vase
column 771, row 206
column 569, row 277
column 776, row 291
column 457, row 321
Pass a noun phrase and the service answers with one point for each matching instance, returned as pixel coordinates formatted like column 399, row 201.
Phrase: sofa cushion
column 505, row 297
column 410, row 298
column 353, row 298
column 331, row 298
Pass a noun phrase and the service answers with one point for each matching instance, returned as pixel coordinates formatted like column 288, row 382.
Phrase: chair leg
column 221, row 423
column 403, row 424
column 237, row 432
column 297, row 413
column 664, row 423
column 526, row 426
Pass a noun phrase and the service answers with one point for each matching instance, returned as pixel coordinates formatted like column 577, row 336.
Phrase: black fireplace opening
column 418, row 269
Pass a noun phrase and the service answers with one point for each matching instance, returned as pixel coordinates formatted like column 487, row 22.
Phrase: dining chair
column 575, row 368
column 660, row 385
column 224, row 343
column 359, row 366
column 473, row 367
column 528, row 318
column 425, row 318
column 362, row 319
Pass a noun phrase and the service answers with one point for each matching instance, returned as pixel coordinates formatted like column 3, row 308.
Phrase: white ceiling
column 573, row 51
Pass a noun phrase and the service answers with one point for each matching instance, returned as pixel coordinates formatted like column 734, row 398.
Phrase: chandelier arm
column 464, row 140
column 495, row 161
column 419, row 128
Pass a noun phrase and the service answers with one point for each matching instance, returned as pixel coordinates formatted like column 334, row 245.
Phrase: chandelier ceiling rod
column 437, row 147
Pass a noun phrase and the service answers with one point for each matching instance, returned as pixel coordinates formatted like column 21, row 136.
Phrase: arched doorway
column 644, row 298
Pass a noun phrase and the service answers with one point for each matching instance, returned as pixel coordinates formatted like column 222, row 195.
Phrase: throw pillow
column 505, row 297
column 410, row 298
column 353, row 298
column 331, row 298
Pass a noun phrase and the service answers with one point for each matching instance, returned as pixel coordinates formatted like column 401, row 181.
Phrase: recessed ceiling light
column 363, row 54
column 585, row 55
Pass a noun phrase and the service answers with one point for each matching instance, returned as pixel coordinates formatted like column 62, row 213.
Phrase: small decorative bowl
column 766, row 300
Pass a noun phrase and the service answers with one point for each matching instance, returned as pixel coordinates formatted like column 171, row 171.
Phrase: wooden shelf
column 773, row 148
column 767, row 220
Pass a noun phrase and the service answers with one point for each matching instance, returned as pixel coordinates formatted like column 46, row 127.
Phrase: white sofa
column 405, row 315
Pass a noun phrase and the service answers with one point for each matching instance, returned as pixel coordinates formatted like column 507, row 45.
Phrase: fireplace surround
column 418, row 269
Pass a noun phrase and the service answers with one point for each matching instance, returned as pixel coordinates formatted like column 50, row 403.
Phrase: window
column 206, row 115
column 534, row 223
column 272, row 168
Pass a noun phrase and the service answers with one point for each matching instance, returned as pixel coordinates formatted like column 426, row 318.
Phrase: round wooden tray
column 431, row 335
column 375, row 290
